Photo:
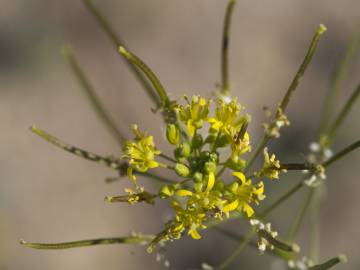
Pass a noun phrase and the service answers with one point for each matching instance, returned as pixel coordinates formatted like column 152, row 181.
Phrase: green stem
column 314, row 227
column 336, row 81
column 229, row 260
column 237, row 237
column 157, row 178
column 93, row 98
column 117, row 41
column 259, row 149
column 342, row 153
column 136, row 61
column 91, row 242
column 167, row 158
column 321, row 30
column 300, row 217
column 225, row 48
column 342, row 115
column 285, row 101
column 282, row 199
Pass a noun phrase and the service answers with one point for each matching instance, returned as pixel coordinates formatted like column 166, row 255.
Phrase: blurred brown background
column 49, row 195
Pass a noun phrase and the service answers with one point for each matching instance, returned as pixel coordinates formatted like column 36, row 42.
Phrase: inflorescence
column 213, row 179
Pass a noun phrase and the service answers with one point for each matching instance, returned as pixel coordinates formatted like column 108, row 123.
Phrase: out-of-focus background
column 48, row 195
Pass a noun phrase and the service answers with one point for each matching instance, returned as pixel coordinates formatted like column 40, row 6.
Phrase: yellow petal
column 184, row 193
column 191, row 128
column 240, row 176
column 249, row 211
column 231, row 206
column 260, row 189
column 211, row 181
column 152, row 164
column 194, row 234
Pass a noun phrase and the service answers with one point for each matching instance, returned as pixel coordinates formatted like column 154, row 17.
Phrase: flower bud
column 210, row 167
column 198, row 187
column 197, row 141
column 182, row 170
column 172, row 134
column 214, row 157
column 183, row 150
column 198, row 176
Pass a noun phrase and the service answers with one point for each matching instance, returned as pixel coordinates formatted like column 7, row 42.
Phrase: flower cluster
column 319, row 153
column 263, row 242
column 203, row 191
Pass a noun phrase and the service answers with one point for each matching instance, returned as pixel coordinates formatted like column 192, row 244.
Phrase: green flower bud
column 214, row 157
column 198, row 187
column 167, row 191
column 172, row 134
column 210, row 167
column 183, row 150
column 197, row 141
column 182, row 170
column 198, row 176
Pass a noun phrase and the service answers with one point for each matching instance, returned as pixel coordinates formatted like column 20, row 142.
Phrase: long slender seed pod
column 148, row 73
column 110, row 162
column 225, row 87
column 300, row 73
column 330, row 263
column 142, row 239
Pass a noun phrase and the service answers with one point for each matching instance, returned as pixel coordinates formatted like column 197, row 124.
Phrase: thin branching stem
column 337, row 80
column 117, row 42
column 156, row 177
column 243, row 243
column 92, row 96
column 314, row 235
column 285, row 101
column 167, row 158
column 142, row 239
column 259, row 148
column 300, row 216
column 343, row 113
column 282, row 199
column 342, row 153
column 225, row 87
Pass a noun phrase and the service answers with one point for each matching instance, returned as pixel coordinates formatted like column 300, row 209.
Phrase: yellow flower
column 242, row 194
column 194, row 113
column 199, row 203
column 141, row 153
column 271, row 166
column 227, row 117
column 239, row 146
